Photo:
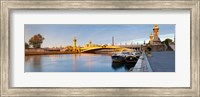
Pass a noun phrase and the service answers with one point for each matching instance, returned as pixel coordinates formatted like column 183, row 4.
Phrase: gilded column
column 151, row 39
column 74, row 44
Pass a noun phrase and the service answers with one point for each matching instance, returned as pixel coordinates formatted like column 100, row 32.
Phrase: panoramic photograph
column 99, row 47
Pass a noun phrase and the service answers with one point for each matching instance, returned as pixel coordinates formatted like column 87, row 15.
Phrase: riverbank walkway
column 162, row 61
column 142, row 64
column 157, row 62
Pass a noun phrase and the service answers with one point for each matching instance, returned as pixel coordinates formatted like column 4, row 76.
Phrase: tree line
column 35, row 41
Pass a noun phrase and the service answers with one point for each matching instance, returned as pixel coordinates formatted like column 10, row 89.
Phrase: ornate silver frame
column 8, row 5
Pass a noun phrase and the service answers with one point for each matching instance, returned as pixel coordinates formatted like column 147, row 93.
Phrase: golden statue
column 74, row 41
column 74, row 45
column 156, row 30
column 151, row 38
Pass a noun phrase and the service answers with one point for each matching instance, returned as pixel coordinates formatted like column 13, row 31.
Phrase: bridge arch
column 105, row 47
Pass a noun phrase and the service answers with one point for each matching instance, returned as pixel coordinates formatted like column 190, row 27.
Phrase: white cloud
column 141, row 40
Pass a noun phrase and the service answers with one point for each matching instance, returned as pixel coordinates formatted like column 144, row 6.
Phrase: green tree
column 36, row 41
column 167, row 41
column 26, row 45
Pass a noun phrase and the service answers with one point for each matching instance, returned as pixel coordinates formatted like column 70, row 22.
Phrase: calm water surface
column 74, row 63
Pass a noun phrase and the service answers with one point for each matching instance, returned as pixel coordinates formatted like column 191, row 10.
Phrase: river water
column 74, row 63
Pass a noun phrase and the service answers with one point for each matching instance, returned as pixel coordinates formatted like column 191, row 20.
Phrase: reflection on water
column 36, row 61
column 126, row 66
column 74, row 63
column 117, row 66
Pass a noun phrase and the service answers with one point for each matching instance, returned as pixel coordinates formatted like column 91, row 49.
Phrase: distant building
column 34, row 50
column 90, row 44
column 113, row 41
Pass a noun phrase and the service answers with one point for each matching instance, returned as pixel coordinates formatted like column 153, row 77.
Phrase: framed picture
column 100, row 48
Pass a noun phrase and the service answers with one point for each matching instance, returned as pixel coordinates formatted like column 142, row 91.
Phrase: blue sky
column 63, row 34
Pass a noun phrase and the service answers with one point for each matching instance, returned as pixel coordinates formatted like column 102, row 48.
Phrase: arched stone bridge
column 115, row 48
column 108, row 47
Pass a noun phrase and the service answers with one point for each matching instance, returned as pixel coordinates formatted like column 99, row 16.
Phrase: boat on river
column 119, row 57
column 132, row 57
column 126, row 57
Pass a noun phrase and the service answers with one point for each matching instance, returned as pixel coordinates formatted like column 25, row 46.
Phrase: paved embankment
column 172, row 46
column 162, row 61
column 142, row 64
column 45, row 53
